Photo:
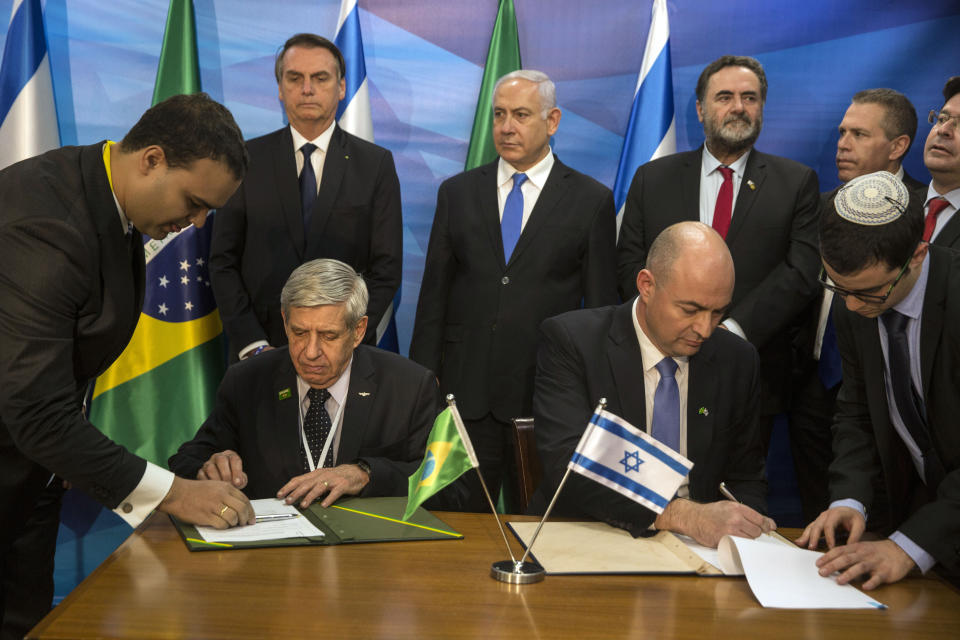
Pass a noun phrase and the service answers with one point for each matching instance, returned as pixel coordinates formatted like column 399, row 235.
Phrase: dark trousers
column 493, row 443
column 27, row 579
column 811, row 441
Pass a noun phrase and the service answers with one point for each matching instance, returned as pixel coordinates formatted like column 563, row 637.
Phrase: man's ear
column 646, row 283
column 359, row 331
column 151, row 158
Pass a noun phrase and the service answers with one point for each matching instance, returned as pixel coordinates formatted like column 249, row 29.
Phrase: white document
column 711, row 555
column 787, row 577
column 298, row 527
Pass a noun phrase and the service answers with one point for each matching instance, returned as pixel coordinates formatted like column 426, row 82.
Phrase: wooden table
column 152, row 587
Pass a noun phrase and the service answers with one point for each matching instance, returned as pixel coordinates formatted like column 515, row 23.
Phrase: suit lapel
column 690, row 181
column 950, row 234
column 755, row 173
column 285, row 430
column 934, row 305
column 486, row 197
column 288, row 187
column 334, row 166
column 702, row 384
column 356, row 413
column 626, row 364
column 553, row 191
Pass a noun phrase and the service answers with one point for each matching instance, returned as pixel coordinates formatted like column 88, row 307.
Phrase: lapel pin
column 703, row 411
column 284, row 394
column 363, row 394
column 346, row 157
column 752, row 186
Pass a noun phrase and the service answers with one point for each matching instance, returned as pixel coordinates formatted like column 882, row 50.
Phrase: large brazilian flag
column 160, row 390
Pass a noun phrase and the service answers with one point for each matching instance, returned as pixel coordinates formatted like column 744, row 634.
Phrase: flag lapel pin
column 703, row 411
column 752, row 186
column 284, row 394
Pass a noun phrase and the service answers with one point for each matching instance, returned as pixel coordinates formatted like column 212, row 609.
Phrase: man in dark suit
column 71, row 281
column 374, row 408
column 764, row 206
column 941, row 155
column 618, row 353
column 899, row 338
column 876, row 132
column 346, row 205
column 513, row 242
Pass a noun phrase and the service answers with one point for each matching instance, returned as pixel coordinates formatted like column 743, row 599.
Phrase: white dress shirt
column 536, row 178
column 335, row 405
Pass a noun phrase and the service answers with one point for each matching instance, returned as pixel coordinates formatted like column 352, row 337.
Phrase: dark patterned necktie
column 316, row 426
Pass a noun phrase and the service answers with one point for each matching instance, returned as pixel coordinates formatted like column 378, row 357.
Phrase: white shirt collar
column 536, row 175
column 338, row 390
column 710, row 164
column 322, row 141
column 649, row 352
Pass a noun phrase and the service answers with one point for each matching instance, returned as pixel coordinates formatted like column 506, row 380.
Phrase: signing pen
column 729, row 496
column 270, row 517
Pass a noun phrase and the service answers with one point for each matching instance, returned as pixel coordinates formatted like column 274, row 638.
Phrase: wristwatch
column 365, row 467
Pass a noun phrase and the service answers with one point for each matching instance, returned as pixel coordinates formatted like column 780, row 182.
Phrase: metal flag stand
column 504, row 567
column 505, row 570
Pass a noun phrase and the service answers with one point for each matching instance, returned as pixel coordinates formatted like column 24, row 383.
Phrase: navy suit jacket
column 477, row 316
column 259, row 239
column 390, row 408
column 594, row 353
column 772, row 238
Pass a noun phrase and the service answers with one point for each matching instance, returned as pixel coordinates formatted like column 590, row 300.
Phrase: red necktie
column 933, row 210
column 721, row 213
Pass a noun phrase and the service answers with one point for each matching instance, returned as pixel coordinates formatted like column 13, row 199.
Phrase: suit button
column 127, row 507
column 505, row 280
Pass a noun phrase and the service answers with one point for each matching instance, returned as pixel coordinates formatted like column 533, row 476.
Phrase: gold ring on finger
column 326, row 485
column 223, row 509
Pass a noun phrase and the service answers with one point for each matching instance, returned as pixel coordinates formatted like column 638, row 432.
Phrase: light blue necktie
column 512, row 221
column 666, row 406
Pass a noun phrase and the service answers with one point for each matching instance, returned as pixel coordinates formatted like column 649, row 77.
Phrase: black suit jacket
column 772, row 238
column 864, row 440
column 477, row 316
column 259, row 239
column 391, row 405
column 594, row 353
column 71, row 285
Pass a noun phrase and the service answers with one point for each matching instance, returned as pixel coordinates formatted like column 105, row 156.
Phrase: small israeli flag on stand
column 616, row 454
column 651, row 130
column 28, row 117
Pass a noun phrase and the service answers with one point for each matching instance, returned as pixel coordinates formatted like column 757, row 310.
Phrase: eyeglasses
column 941, row 118
column 864, row 297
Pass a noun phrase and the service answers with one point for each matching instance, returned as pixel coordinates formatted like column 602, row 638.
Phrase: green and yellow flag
column 159, row 391
column 502, row 58
column 449, row 455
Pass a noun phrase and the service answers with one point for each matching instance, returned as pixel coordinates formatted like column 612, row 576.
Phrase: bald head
column 685, row 287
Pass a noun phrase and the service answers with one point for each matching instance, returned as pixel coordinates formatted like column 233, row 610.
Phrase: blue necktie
column 829, row 366
column 666, row 406
column 308, row 185
column 512, row 221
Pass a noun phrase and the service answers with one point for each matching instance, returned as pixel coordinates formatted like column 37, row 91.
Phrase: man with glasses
column 941, row 154
column 895, row 429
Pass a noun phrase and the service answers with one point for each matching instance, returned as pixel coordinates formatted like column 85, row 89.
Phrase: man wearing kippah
column 899, row 337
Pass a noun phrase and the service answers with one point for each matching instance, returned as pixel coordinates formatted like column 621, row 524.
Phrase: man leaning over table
column 619, row 353
column 899, row 338
column 324, row 416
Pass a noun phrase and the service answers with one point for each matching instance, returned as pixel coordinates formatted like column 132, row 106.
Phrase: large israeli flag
column 353, row 116
column 651, row 131
column 616, row 454
column 28, row 116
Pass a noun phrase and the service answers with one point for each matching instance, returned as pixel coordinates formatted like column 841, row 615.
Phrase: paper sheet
column 712, row 555
column 786, row 577
column 298, row 527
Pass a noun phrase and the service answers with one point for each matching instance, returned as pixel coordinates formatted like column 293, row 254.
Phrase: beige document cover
column 596, row 547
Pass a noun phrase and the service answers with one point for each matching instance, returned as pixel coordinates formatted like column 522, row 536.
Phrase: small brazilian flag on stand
column 449, row 455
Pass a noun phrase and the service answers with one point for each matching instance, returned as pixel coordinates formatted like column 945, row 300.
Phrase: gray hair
column 545, row 87
column 325, row 282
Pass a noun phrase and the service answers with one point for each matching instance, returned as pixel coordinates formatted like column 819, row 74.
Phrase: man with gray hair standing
column 324, row 416
column 513, row 242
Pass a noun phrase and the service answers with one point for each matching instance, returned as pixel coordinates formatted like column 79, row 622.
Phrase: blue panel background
column 424, row 64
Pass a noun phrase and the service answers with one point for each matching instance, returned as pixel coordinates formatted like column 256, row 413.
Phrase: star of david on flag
column 616, row 454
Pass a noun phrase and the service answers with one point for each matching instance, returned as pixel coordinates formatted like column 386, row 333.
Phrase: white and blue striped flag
column 616, row 454
column 651, row 131
column 353, row 116
column 28, row 115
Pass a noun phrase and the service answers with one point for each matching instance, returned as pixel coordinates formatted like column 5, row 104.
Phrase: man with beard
column 764, row 206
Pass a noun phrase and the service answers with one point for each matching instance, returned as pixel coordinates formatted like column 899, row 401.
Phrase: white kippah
column 873, row 199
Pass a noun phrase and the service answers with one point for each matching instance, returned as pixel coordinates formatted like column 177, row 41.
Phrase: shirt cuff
column 734, row 326
column 853, row 504
column 247, row 350
column 921, row 558
column 149, row 492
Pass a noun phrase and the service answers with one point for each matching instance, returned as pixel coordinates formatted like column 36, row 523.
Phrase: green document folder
column 348, row 521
